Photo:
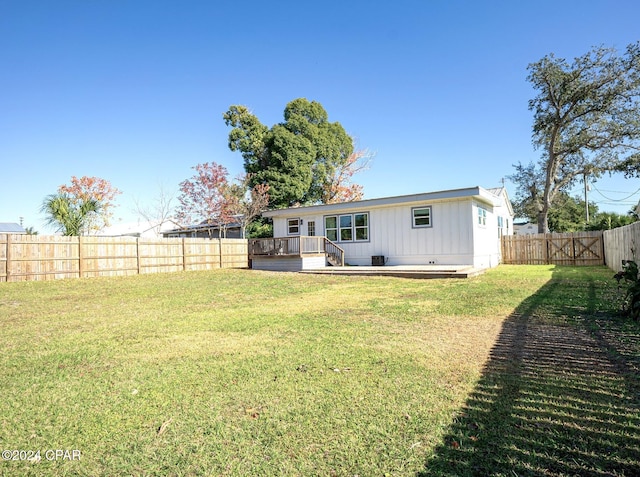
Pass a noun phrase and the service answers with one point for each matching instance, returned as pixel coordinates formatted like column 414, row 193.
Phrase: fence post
column 8, row 256
column 184, row 255
column 80, row 257
column 138, row 254
column 220, row 250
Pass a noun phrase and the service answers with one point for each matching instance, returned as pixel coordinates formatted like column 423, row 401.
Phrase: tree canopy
column 86, row 189
column 586, row 121
column 69, row 215
column 209, row 197
column 299, row 158
column 81, row 207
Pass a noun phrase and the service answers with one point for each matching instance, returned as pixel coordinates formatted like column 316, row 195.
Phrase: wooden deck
column 402, row 271
column 296, row 246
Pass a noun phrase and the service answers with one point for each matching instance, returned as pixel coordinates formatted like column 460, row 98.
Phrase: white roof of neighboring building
column 135, row 228
column 478, row 193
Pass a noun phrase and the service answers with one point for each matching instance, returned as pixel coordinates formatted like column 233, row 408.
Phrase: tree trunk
column 543, row 222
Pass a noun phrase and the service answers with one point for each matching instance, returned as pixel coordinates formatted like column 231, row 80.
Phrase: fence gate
column 579, row 248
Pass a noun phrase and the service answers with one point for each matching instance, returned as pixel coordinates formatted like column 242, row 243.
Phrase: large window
column 293, row 226
column 421, row 216
column 347, row 227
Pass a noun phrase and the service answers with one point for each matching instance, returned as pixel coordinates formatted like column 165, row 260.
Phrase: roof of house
column 11, row 228
column 478, row 193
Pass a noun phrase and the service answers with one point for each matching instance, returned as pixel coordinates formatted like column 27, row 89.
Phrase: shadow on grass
column 559, row 395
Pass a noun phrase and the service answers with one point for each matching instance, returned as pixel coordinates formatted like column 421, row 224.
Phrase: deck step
column 401, row 272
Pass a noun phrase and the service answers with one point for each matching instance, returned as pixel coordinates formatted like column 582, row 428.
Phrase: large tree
column 246, row 203
column 586, row 119
column 209, row 197
column 298, row 158
column 202, row 199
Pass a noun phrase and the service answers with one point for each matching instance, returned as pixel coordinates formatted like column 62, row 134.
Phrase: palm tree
column 69, row 216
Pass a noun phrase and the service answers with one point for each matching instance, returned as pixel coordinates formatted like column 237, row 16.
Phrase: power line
column 615, row 200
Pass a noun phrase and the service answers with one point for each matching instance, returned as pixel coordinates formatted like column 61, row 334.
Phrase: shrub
column 630, row 279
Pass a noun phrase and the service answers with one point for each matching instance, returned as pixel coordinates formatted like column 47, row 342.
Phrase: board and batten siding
column 486, row 241
column 450, row 239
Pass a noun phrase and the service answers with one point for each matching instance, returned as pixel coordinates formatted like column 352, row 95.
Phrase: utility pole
column 586, row 201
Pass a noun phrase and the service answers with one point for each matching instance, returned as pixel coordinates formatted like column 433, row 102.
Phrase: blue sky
column 134, row 91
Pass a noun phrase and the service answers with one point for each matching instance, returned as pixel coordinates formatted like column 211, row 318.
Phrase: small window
column 421, row 216
column 331, row 228
column 311, row 228
column 362, row 226
column 482, row 216
column 293, row 226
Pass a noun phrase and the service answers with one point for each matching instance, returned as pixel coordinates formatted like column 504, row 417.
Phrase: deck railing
column 297, row 246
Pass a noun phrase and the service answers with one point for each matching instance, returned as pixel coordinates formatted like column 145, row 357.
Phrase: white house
column 452, row 227
column 525, row 229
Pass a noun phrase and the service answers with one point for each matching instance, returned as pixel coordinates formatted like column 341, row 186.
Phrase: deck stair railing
column 297, row 246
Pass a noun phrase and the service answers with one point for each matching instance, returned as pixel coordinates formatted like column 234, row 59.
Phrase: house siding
column 391, row 233
column 454, row 236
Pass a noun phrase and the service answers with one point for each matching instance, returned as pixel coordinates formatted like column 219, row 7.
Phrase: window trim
column 482, row 216
column 289, row 220
column 413, row 217
column 353, row 228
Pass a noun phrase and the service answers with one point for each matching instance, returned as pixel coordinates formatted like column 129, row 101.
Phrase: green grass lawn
column 521, row 371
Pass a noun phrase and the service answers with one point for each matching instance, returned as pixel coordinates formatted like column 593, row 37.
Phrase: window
column 362, row 226
column 331, row 228
column 311, row 228
column 482, row 216
column 421, row 217
column 293, row 226
column 347, row 227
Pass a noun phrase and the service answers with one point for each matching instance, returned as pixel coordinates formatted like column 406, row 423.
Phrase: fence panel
column 622, row 243
column 201, row 255
column 38, row 257
column 234, row 253
column 160, row 256
column 108, row 257
column 579, row 248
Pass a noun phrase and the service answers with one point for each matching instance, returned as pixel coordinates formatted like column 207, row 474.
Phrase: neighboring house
column 205, row 230
column 11, row 228
column 525, row 229
column 452, row 227
column 142, row 228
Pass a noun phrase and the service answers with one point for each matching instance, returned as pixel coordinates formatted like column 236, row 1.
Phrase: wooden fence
column 622, row 243
column 579, row 248
column 37, row 257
